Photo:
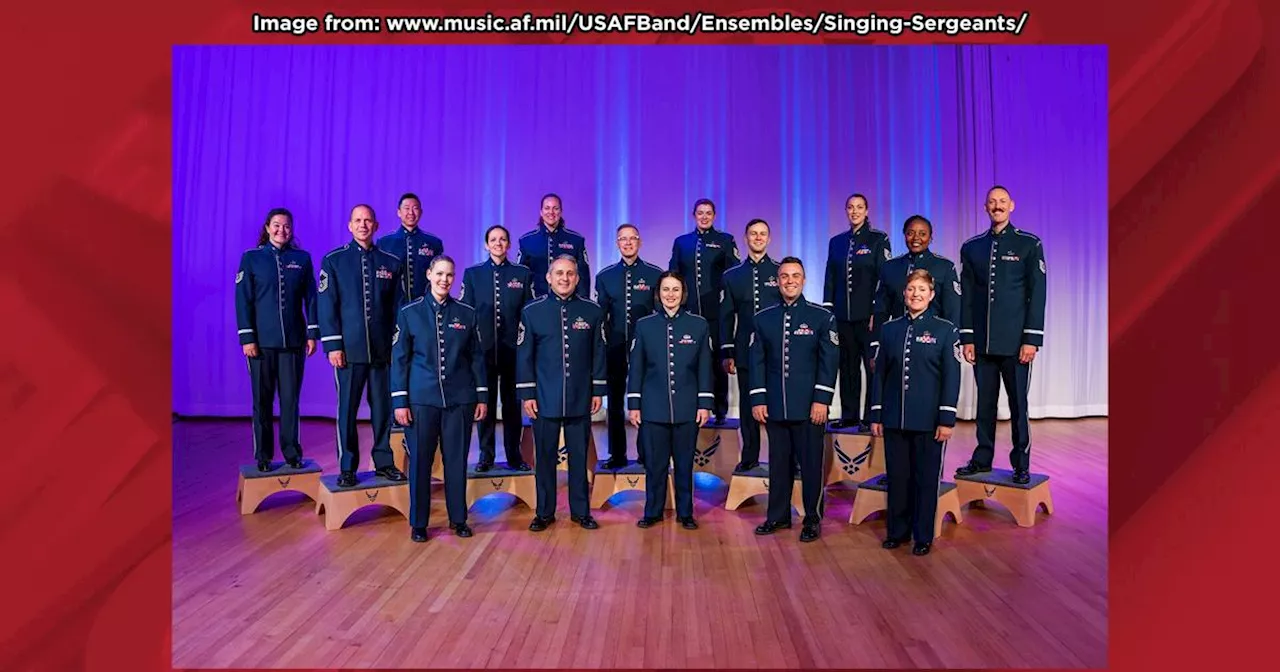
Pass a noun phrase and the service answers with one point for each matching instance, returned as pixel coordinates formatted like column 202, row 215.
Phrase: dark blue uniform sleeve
column 829, row 283
column 674, row 264
column 706, row 357
column 876, row 392
column 401, row 354
column 1033, row 329
column 950, row 382
column 948, row 295
column 330, row 308
column 602, row 298
column 756, row 370
column 728, row 322
column 468, row 294
column 479, row 367
column 968, row 288
column 402, row 286
column 584, row 273
column 879, row 306
column 731, row 257
column 824, row 388
column 635, row 371
column 599, row 382
column 309, row 301
column 244, row 303
column 528, row 290
column 526, row 386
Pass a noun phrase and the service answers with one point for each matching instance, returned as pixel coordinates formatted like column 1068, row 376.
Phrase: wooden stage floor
column 274, row 589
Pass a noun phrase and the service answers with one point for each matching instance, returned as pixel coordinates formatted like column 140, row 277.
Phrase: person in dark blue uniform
column 701, row 257
column 560, row 369
column 749, row 288
column 626, row 291
column 359, row 292
column 438, row 389
column 499, row 290
column 794, row 359
column 275, row 286
column 853, row 267
column 669, row 395
column 914, row 390
column 918, row 233
column 414, row 247
column 1002, row 328
column 550, row 240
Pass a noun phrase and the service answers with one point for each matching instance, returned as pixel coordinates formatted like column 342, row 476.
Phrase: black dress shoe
column 1021, row 476
column 539, row 523
column 645, row 523
column 720, row 419
column 347, row 479
column 523, row 466
column 587, row 522
column 688, row 523
column 970, row 468
column 462, row 530
column 771, row 527
column 746, row 466
column 419, row 534
column 391, row 474
column 921, row 549
column 615, row 463
column 483, row 466
column 810, row 532
column 891, row 543
column 264, row 465
column 294, row 464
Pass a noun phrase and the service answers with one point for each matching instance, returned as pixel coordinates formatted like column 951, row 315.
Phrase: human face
column 498, row 244
column 629, row 242
column 563, row 277
column 280, row 230
column 410, row 212
column 362, row 225
column 705, row 216
column 856, row 209
column 671, row 293
column 917, row 295
column 757, row 239
column 999, row 206
column 790, row 280
column 550, row 211
column 441, row 278
column 918, row 237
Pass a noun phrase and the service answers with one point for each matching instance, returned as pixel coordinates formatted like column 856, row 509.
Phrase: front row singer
column 914, row 390
column 438, row 384
column 795, row 354
column 669, row 389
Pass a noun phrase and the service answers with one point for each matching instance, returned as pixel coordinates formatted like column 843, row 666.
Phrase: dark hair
column 704, row 201
column 920, row 274
column 684, row 289
column 554, row 195
column 755, row 221
column 857, row 195
column 1001, row 187
column 263, row 236
column 372, row 215
column 406, row 195
column 791, row 260
column 626, row 226
column 439, row 258
column 917, row 218
column 491, row 230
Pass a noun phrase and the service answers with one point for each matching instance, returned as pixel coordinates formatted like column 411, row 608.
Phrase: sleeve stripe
column 706, row 394
column 824, row 388
column 947, row 408
column 399, row 394
column 245, row 331
column 313, row 326
column 331, row 338
column 757, row 390
column 526, row 385
column 600, row 382
column 874, row 344
column 633, row 394
column 875, row 407
column 482, row 389
column 1033, row 331
column 966, row 331
column 726, row 346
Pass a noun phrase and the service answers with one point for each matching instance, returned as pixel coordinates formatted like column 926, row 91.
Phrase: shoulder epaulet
column 973, row 239
column 735, row 265
column 530, row 233
column 536, row 301
column 821, row 307
column 607, row 268
column 465, row 305
column 387, row 253
column 413, row 302
column 900, row 256
column 883, row 233
column 893, row 319
column 645, row 318
column 335, row 251
column 520, row 266
column 252, row 249
column 1027, row 234
column 939, row 256
column 569, row 230
column 765, row 310
column 589, row 301
column 654, row 267
column 473, row 267
column 697, row 316
column 943, row 319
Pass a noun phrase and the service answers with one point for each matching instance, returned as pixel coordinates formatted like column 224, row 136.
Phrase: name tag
column 383, row 273
column 1010, row 257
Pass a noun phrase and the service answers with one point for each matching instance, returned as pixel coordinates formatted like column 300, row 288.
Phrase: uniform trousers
column 546, row 441
column 616, row 414
column 913, row 461
column 502, row 379
column 668, row 443
column 988, row 372
column 747, row 425
column 276, row 369
column 375, row 379
column 789, row 439
column 719, row 378
column 855, row 357
column 450, row 429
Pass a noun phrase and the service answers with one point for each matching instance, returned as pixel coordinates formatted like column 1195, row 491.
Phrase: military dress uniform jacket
column 273, row 288
column 669, row 374
column 359, row 294
column 415, row 250
column 560, row 358
column 539, row 247
column 916, row 383
column 794, row 359
column 893, row 280
column 499, row 292
column 626, row 293
column 853, row 269
column 1002, row 278
column 701, row 258
column 749, row 288
column 437, row 358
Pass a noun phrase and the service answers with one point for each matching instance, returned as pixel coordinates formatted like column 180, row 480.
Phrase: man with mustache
column 1002, row 279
